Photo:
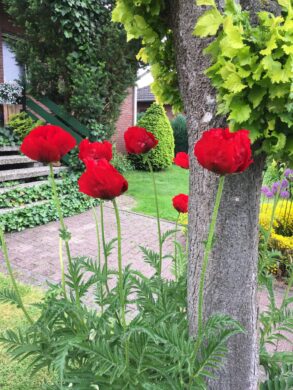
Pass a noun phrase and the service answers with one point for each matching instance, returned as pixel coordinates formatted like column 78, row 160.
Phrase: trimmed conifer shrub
column 161, row 157
column 180, row 133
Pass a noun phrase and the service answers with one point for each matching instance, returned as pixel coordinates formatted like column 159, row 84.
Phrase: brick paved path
column 34, row 252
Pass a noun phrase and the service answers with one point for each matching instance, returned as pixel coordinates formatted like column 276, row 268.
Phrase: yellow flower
column 283, row 222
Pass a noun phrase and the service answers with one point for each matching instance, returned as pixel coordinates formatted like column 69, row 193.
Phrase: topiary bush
column 180, row 133
column 156, row 121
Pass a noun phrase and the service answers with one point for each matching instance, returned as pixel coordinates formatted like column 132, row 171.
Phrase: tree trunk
column 231, row 280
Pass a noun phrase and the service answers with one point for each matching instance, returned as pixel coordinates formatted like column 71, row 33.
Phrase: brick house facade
column 126, row 119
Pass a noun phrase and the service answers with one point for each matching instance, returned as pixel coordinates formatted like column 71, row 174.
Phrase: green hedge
column 156, row 121
column 180, row 133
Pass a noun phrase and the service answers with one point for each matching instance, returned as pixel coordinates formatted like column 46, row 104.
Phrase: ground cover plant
column 73, row 202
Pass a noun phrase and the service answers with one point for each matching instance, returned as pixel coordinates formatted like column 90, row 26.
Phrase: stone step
column 9, row 149
column 27, row 185
column 25, row 206
column 14, row 159
column 28, row 173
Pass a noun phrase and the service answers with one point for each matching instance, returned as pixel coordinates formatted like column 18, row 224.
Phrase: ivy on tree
column 76, row 56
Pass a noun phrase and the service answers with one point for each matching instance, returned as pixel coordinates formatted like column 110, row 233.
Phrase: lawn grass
column 14, row 375
column 170, row 182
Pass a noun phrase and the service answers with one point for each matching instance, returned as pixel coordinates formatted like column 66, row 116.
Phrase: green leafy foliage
column 252, row 71
column 149, row 20
column 7, row 138
column 21, row 125
column 155, row 121
column 180, row 133
column 76, row 56
column 72, row 201
column 121, row 161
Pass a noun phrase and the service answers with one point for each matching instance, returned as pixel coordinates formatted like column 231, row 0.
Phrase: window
column 12, row 70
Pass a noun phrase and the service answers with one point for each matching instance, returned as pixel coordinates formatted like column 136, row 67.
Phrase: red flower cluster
column 95, row 150
column 138, row 140
column 223, row 152
column 47, row 144
column 182, row 160
column 101, row 180
column 180, row 203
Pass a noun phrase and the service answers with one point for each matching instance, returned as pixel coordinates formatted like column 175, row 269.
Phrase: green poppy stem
column 16, row 290
column 276, row 200
column 99, row 252
column 64, row 233
column 175, row 248
column 120, row 279
column 62, row 268
column 104, row 243
column 158, row 215
column 208, row 248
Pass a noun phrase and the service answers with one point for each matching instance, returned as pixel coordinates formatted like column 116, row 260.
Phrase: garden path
column 34, row 252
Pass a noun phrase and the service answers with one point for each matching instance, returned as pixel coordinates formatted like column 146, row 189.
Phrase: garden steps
column 22, row 207
column 9, row 149
column 15, row 159
column 27, row 185
column 28, row 173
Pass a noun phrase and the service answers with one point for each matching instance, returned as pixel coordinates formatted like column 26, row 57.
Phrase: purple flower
column 265, row 189
column 275, row 187
column 269, row 194
column 284, row 184
column 285, row 194
column 289, row 174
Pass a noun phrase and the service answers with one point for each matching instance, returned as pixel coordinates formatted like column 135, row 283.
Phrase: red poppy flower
column 138, row 140
column 102, row 180
column 95, row 150
column 182, row 160
column 223, row 152
column 47, row 143
column 180, row 203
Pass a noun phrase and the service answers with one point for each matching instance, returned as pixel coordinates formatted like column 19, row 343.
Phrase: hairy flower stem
column 16, row 290
column 64, row 233
column 158, row 216
column 208, row 248
column 62, row 268
column 175, row 248
column 99, row 253
column 104, row 244
column 276, row 200
column 120, row 278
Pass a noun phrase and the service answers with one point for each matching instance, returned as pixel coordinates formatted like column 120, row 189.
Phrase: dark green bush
column 8, row 138
column 21, row 124
column 156, row 121
column 180, row 133
column 140, row 115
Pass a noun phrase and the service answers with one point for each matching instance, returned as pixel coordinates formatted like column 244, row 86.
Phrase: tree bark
column 231, row 280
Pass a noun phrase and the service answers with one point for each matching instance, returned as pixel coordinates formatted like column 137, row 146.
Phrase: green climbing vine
column 252, row 71
column 147, row 19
